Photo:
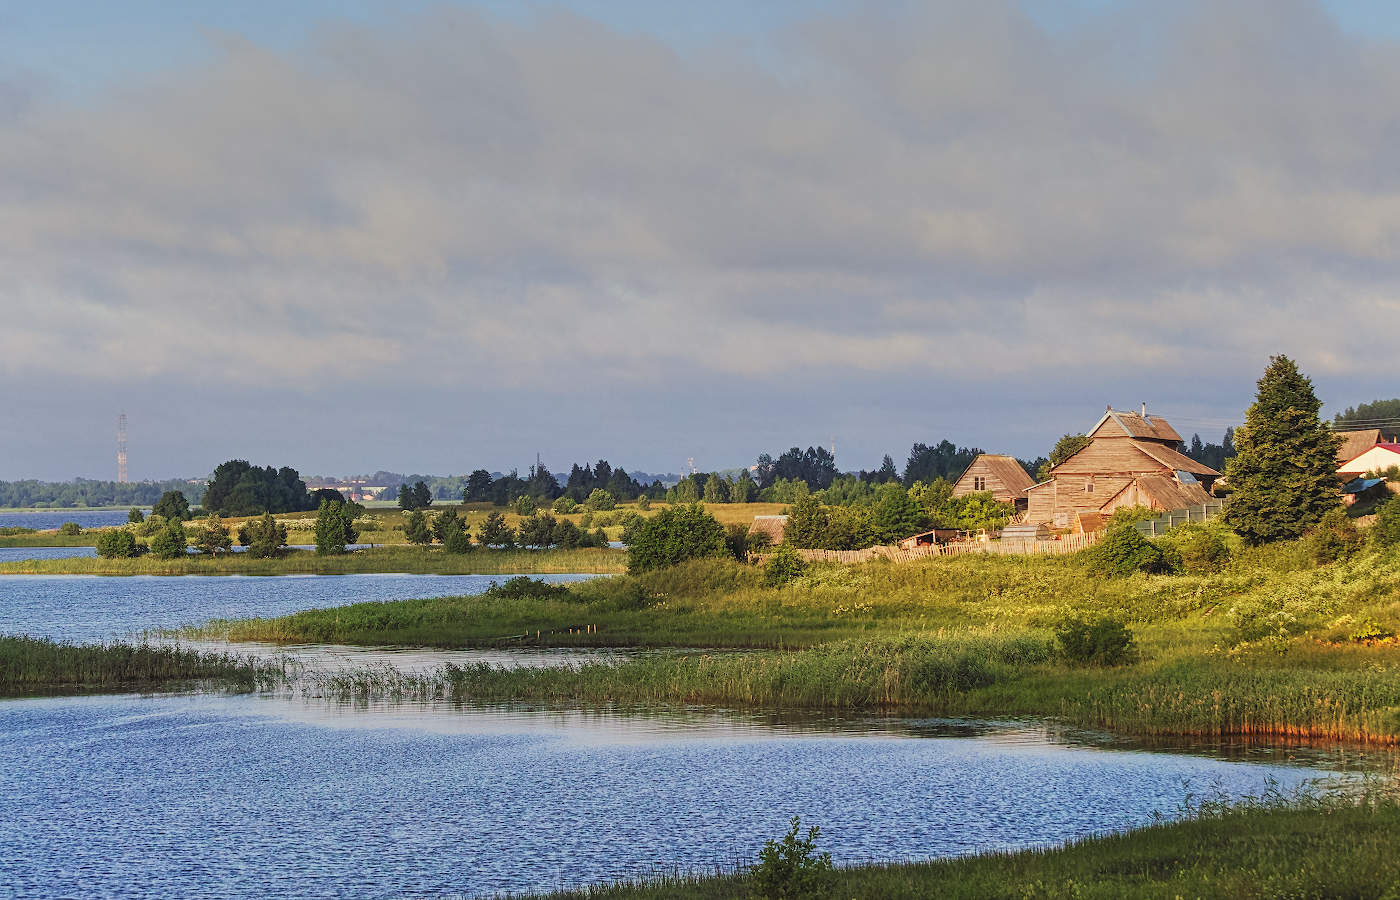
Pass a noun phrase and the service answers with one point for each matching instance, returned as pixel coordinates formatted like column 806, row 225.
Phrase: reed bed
column 394, row 559
column 31, row 666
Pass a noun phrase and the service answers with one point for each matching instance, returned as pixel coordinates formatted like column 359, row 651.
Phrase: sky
column 432, row 237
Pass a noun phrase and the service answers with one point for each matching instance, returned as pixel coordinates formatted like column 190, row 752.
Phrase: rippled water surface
column 42, row 519
column 95, row 608
column 210, row 796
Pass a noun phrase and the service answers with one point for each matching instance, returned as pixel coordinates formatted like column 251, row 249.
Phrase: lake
column 98, row 608
column 209, row 796
column 42, row 519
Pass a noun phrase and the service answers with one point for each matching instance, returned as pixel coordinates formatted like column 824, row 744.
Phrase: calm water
column 210, row 796
column 52, row 518
column 95, row 608
column 15, row 554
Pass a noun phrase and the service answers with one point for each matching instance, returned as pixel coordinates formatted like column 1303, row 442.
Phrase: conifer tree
column 1284, row 473
column 415, row 528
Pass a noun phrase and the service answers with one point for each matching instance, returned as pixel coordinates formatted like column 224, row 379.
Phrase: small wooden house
column 773, row 526
column 1132, row 459
column 1000, row 475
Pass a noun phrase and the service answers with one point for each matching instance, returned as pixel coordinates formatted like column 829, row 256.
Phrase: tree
column 422, row 496
column 743, row 490
column 264, row 537
column 335, row 527
column 415, row 529
column 407, row 501
column 495, row 532
column 324, row 494
column 240, row 489
column 895, row 513
column 1064, row 448
column 118, row 543
column 1383, row 414
column 815, row 465
column 478, row 487
column 1283, row 475
column 135, row 516
column 716, row 490
column 171, row 505
column 943, row 460
column 213, row 538
column 887, row 472
column 525, row 505
column 644, row 503
column 675, row 535
column 599, row 499
column 444, row 522
column 537, row 531
column 457, row 539
column 170, row 542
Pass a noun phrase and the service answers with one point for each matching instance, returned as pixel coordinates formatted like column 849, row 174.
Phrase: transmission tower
column 121, row 449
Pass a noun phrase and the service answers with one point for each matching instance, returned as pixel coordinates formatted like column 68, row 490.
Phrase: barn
column 1132, row 459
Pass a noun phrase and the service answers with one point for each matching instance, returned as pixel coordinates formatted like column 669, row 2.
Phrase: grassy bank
column 30, row 666
column 1328, row 849
column 394, row 559
column 49, row 539
column 1271, row 645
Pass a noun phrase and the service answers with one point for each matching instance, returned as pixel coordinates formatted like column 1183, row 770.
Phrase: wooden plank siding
column 1000, row 475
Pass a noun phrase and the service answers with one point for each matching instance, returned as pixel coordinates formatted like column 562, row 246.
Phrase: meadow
column 1270, row 645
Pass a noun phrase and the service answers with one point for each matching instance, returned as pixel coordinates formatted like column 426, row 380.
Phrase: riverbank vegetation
column 33, row 666
column 1285, row 847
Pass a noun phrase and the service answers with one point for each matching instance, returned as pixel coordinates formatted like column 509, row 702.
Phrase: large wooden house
column 1000, row 475
column 1132, row 459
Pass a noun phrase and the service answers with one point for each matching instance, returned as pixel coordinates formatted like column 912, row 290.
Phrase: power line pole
column 121, row 449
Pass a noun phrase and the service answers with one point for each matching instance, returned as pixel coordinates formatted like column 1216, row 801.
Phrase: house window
column 1089, row 485
column 979, row 483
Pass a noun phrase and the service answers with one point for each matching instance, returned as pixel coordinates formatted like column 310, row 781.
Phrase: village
column 1130, row 461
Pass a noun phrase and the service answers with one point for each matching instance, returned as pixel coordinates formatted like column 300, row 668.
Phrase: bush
column 213, row 537
column 784, row 565
column 154, row 522
column 1335, row 538
column 525, row 505
column 564, row 505
column 600, row 499
column 1125, row 550
column 118, row 544
column 458, row 541
column 791, row 868
column 495, row 532
column 415, row 529
column 263, row 537
column 1103, row 642
column 1201, row 549
column 335, row 526
column 70, row 528
column 675, row 535
column 135, row 516
column 170, row 542
column 644, row 503
column 522, row 587
column 1386, row 531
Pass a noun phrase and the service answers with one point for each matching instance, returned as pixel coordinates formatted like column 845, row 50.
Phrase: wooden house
column 1358, row 441
column 1001, row 475
column 1132, row 459
column 773, row 526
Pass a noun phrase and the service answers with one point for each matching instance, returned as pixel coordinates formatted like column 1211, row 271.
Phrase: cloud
column 942, row 190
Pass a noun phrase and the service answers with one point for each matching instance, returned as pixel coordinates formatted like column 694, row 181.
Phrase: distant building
column 1376, row 458
column 1132, row 459
column 1000, row 475
column 1357, row 441
column 773, row 526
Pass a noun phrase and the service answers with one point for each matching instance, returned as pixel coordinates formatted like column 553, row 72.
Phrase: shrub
column 522, row 587
column 564, row 505
column 118, row 544
column 415, row 529
column 135, row 516
column 1200, row 548
column 1103, row 641
column 458, row 541
column 675, row 535
column 525, row 505
column 154, row 522
column 495, row 532
column 736, row 541
column 213, row 537
column 1335, row 538
column 70, row 528
column 784, row 565
column 263, row 537
column 644, row 503
column 600, row 499
column 170, row 542
column 444, row 523
column 791, row 868
column 171, row 505
column 630, row 523
column 335, row 526
column 1125, row 550
column 586, row 520
column 1386, row 531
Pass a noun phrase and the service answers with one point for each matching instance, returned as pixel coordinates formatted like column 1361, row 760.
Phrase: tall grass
column 39, row 666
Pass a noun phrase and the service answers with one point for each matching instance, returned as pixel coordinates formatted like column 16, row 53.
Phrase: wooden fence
column 1071, row 543
column 1201, row 513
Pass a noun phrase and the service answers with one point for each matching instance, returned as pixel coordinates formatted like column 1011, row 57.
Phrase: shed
column 925, row 538
column 1028, row 531
column 1089, row 522
column 773, row 526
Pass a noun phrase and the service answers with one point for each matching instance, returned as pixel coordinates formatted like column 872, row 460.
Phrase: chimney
column 1144, row 410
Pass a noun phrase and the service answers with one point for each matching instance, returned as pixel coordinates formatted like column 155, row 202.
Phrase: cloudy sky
column 433, row 237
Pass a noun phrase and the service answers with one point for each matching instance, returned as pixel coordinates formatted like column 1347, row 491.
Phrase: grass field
column 1327, row 849
column 1269, row 646
column 394, row 559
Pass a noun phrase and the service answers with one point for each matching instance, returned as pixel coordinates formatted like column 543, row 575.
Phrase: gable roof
column 1174, row 460
column 1355, row 443
column 1381, row 456
column 1167, row 492
column 1007, row 470
column 1121, row 423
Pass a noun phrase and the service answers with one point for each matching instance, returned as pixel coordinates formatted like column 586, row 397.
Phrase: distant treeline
column 83, row 492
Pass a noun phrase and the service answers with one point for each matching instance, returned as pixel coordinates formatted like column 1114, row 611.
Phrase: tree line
column 83, row 492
